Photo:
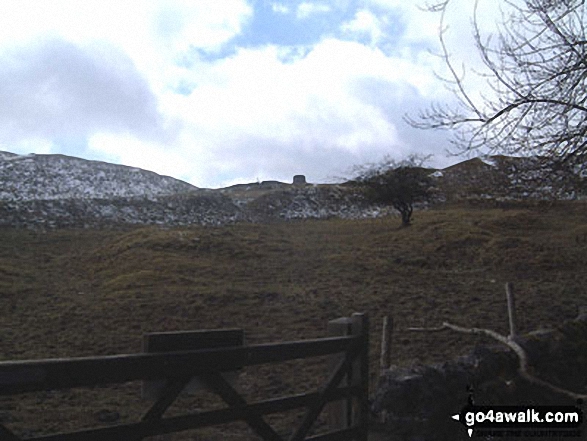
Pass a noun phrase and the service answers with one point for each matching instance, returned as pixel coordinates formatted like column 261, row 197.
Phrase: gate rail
column 178, row 368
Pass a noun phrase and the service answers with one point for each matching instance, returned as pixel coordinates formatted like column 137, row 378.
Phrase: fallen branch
column 519, row 351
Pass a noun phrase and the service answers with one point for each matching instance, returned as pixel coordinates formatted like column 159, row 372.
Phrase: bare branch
column 535, row 73
column 458, row 80
column 518, row 350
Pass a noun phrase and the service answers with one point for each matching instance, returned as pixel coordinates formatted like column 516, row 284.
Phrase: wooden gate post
column 340, row 412
column 346, row 413
column 361, row 328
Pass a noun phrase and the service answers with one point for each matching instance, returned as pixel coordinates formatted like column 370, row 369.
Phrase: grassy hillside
column 90, row 292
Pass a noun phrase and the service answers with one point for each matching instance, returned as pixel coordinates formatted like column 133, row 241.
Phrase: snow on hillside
column 313, row 202
column 57, row 191
column 49, row 177
column 511, row 178
column 200, row 208
column 7, row 155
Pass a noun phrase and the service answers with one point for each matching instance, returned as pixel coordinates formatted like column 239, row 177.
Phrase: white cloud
column 154, row 34
column 458, row 36
column 306, row 116
column 28, row 145
column 205, row 24
column 123, row 24
column 420, row 37
column 420, row 26
column 386, row 3
column 280, row 8
column 56, row 89
column 105, row 74
column 278, row 96
column 306, row 9
column 153, row 156
column 423, row 25
column 73, row 70
column 363, row 23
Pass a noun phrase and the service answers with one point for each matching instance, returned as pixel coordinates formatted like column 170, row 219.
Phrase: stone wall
column 417, row 403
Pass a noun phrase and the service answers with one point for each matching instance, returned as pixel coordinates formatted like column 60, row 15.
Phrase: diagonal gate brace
column 232, row 398
column 171, row 391
column 7, row 435
column 314, row 410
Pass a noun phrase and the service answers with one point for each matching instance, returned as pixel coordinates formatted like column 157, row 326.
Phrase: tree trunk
column 406, row 212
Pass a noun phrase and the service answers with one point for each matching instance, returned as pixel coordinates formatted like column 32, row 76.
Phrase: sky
column 218, row 92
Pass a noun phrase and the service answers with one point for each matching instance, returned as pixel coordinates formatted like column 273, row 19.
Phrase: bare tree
column 535, row 67
column 400, row 184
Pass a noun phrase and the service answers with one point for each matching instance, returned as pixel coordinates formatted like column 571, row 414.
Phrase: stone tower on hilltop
column 299, row 180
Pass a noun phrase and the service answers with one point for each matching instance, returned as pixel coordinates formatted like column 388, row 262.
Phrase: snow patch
column 50, row 177
column 488, row 160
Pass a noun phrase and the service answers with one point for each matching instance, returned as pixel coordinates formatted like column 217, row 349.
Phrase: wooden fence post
column 386, row 333
column 385, row 359
column 509, row 292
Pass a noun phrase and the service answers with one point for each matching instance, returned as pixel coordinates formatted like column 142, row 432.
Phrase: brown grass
column 76, row 292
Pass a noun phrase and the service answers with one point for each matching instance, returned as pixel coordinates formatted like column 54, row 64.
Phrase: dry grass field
column 91, row 292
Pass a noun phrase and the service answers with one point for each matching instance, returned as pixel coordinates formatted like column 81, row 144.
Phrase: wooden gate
column 348, row 381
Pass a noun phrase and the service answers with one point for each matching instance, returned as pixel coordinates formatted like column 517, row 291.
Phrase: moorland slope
column 76, row 292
